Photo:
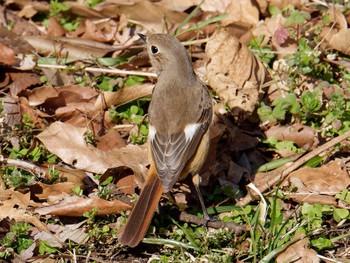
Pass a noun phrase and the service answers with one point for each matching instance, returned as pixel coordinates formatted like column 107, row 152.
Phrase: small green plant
column 54, row 173
column 45, row 248
column 281, row 145
column 57, row 7
column 133, row 113
column 263, row 52
column 15, row 241
column 58, row 10
column 329, row 114
column 344, row 195
column 105, row 189
column 89, row 138
column 280, row 108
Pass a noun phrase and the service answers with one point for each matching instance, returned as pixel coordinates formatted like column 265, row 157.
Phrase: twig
column 32, row 168
column 195, row 42
column 102, row 70
column 237, row 229
column 280, row 174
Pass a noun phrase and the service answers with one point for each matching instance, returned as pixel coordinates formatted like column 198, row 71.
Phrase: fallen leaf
column 110, row 140
column 68, row 143
column 73, row 232
column 234, row 73
column 22, row 81
column 7, row 55
column 55, row 28
column 337, row 35
column 54, row 192
column 26, row 254
column 68, row 103
column 92, row 32
column 68, row 174
column 339, row 41
column 299, row 252
column 77, row 206
column 14, row 205
column 11, row 112
column 241, row 12
column 328, row 179
column 135, row 12
column 60, row 96
column 283, row 3
column 122, row 96
column 303, row 136
column 76, row 48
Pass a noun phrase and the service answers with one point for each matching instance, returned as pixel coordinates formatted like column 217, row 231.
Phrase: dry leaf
column 337, row 36
column 68, row 143
column 55, row 28
column 57, row 97
column 80, row 9
column 77, row 206
column 11, row 112
column 242, row 12
column 303, row 136
column 122, row 96
column 26, row 254
column 135, row 11
column 339, row 41
column 70, row 47
column 67, row 103
column 22, row 81
column 92, row 32
column 283, row 3
column 110, row 140
column 67, row 173
column 328, row 179
column 73, row 232
column 214, row 5
column 53, row 192
column 14, row 205
column 7, row 55
column 299, row 252
column 234, row 73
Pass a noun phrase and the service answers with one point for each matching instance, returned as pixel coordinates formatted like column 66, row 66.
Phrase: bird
column 179, row 115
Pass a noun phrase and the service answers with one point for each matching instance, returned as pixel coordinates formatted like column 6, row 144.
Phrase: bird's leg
column 196, row 179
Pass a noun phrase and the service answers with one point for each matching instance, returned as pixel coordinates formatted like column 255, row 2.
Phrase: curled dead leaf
column 234, row 73
column 122, row 96
column 337, row 35
column 77, row 206
column 135, row 12
column 77, row 48
column 68, row 143
column 303, row 136
column 299, row 252
column 242, row 12
column 328, row 179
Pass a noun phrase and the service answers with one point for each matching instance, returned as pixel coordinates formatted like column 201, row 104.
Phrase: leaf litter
column 63, row 107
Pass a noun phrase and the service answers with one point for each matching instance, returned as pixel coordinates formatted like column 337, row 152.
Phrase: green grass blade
column 188, row 18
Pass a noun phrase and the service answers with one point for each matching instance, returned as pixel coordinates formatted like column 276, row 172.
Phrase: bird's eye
column 154, row 49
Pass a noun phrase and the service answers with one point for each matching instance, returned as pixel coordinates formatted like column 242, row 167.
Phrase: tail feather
column 142, row 213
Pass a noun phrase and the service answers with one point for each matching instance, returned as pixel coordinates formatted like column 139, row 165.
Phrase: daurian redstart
column 179, row 117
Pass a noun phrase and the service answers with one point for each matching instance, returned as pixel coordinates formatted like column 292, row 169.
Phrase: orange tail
column 142, row 213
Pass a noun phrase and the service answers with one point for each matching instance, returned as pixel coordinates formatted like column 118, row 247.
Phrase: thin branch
column 280, row 174
column 101, row 70
column 236, row 228
column 27, row 166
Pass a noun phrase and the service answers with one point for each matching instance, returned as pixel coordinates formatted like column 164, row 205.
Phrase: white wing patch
column 151, row 132
column 191, row 130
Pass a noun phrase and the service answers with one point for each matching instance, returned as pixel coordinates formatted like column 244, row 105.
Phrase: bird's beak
column 143, row 37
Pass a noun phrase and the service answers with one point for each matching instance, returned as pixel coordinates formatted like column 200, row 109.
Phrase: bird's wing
column 170, row 153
